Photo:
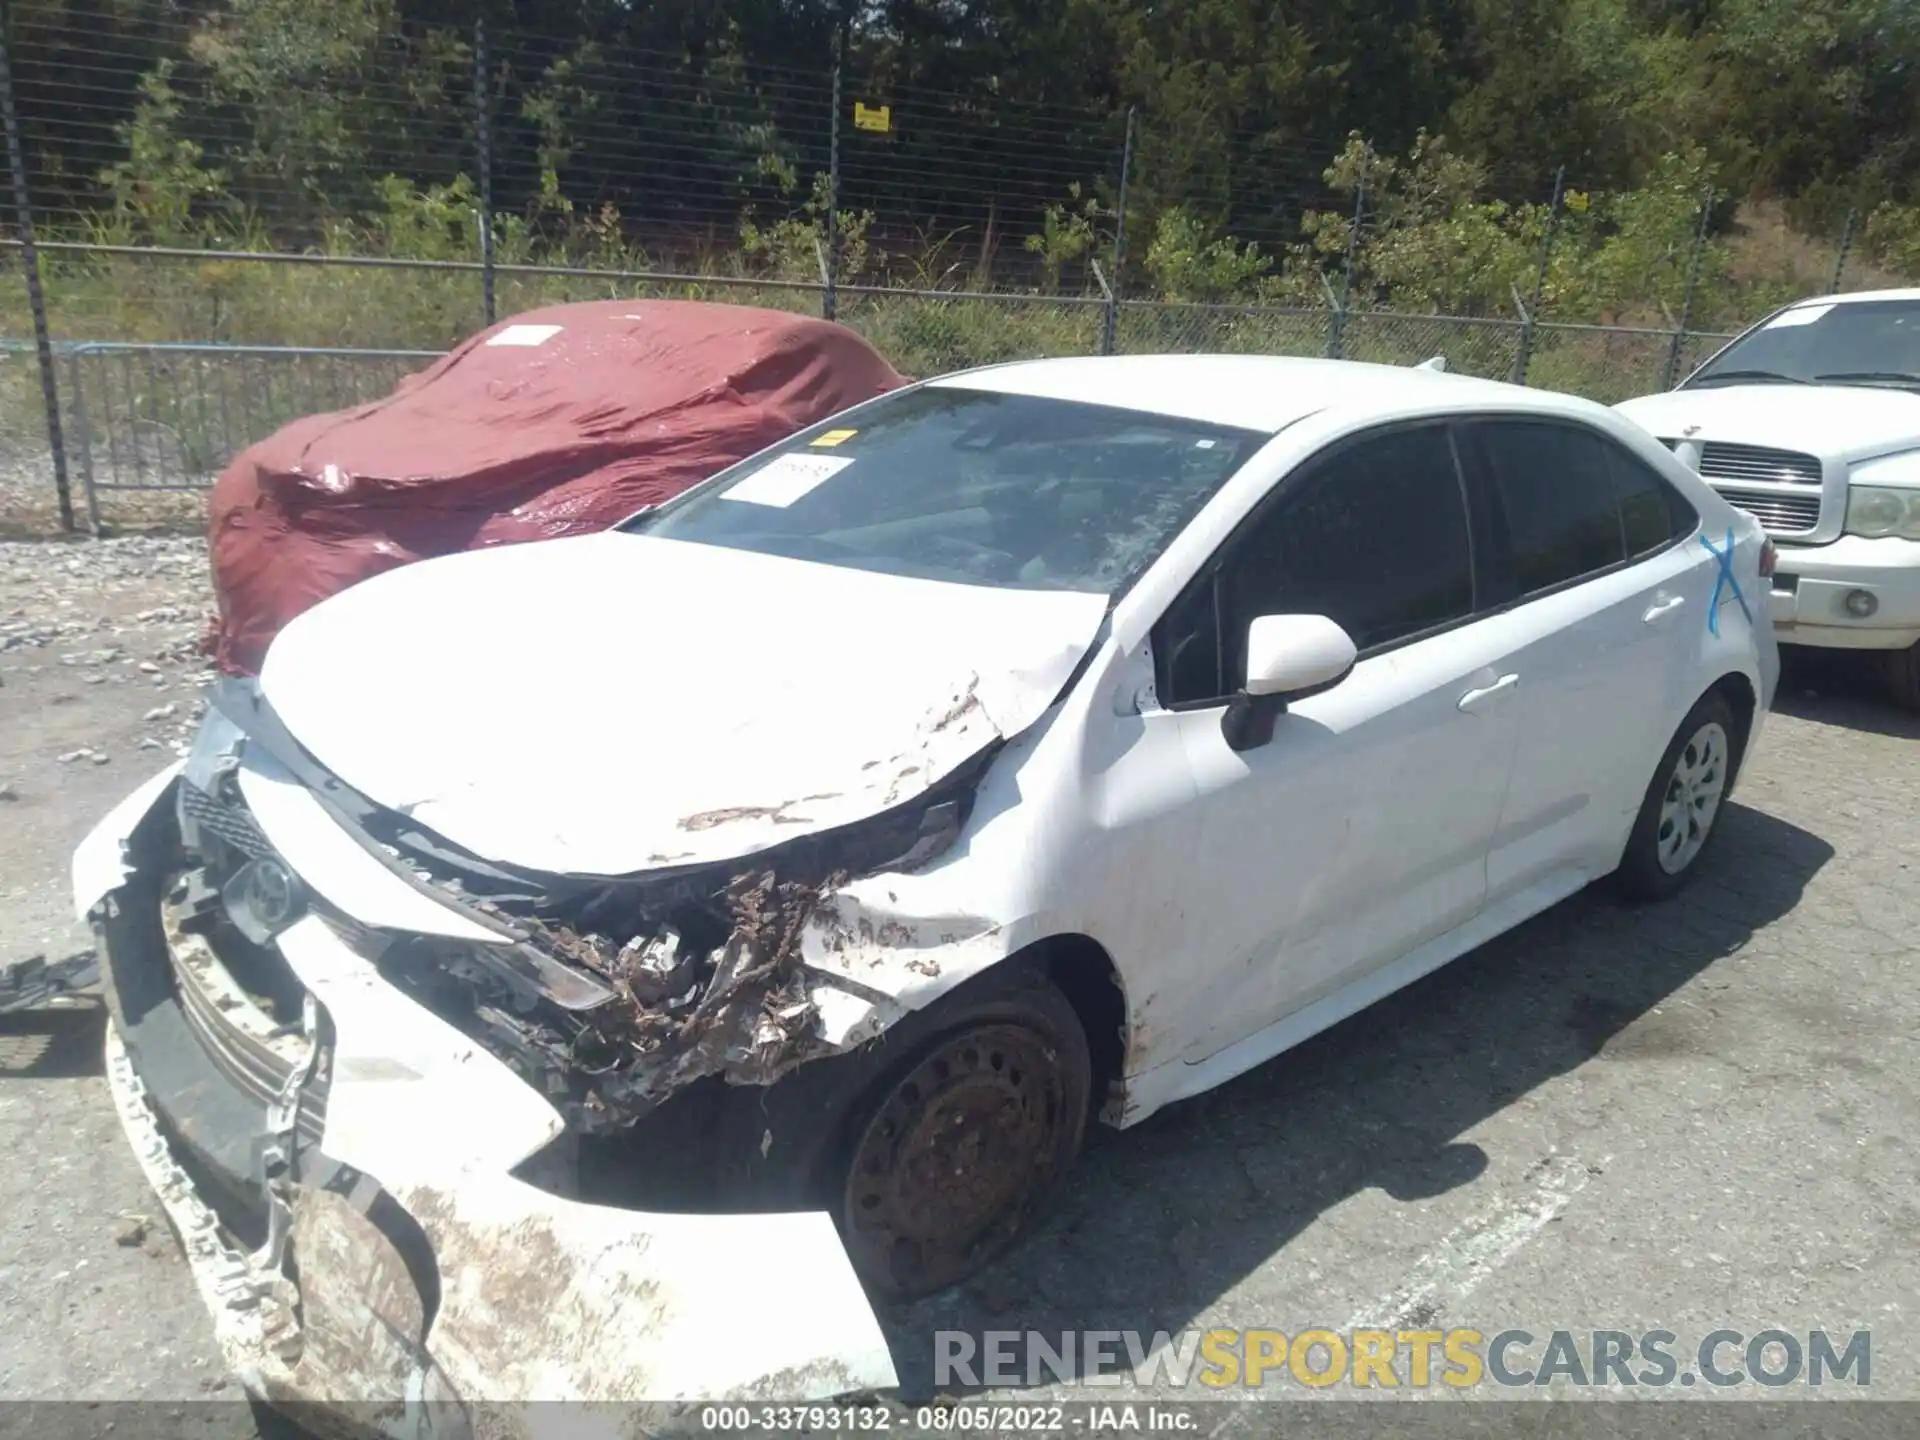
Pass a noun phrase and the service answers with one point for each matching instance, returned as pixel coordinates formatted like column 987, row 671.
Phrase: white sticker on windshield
column 785, row 479
column 525, row 335
column 1803, row 315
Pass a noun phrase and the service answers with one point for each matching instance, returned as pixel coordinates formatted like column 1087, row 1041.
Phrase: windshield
column 1861, row 342
column 942, row 483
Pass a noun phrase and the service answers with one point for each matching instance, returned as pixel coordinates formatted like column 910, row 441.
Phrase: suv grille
column 1790, row 514
column 1789, row 503
column 1748, row 463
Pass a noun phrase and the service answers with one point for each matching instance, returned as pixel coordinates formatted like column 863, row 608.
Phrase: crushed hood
column 615, row 703
column 1843, row 421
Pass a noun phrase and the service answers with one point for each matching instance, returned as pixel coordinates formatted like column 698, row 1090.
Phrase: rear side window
column 1551, row 502
column 1652, row 513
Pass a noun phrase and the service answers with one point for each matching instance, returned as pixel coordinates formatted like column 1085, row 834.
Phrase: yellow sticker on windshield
column 835, row 437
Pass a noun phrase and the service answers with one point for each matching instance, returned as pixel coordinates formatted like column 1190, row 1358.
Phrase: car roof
column 1252, row 392
column 1856, row 297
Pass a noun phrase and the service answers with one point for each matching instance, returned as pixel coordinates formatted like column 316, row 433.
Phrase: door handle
column 1482, row 697
column 1663, row 607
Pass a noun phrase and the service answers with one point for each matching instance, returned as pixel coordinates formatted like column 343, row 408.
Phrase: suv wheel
column 1903, row 676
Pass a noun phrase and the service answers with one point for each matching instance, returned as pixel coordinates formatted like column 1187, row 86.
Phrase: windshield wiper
column 1873, row 377
column 1764, row 376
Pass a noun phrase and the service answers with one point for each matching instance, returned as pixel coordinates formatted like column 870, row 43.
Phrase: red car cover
column 558, row 421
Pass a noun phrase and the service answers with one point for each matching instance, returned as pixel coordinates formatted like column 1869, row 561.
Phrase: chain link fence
column 188, row 267
column 23, row 421
column 168, row 416
column 155, row 416
column 1146, row 327
column 929, row 332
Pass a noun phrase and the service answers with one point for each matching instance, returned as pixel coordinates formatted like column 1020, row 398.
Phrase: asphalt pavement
column 1694, row 1117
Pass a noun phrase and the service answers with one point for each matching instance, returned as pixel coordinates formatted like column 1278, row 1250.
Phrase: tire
column 1689, row 787
column 1903, row 677
column 936, row 1147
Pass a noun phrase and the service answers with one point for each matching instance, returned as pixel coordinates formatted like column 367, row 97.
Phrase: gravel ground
column 1689, row 1116
column 99, row 688
column 29, row 502
column 101, row 675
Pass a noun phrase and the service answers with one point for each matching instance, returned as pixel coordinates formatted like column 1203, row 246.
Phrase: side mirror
column 1289, row 657
column 1288, row 654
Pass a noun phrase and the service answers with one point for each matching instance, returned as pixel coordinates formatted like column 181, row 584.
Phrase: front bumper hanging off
column 346, row 1192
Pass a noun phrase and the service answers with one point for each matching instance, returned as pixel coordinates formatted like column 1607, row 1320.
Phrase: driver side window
column 1372, row 535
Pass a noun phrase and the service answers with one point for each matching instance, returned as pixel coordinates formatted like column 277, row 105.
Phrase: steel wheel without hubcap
column 957, row 1156
column 1693, row 797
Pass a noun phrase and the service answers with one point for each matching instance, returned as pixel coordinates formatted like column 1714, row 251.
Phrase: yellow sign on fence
column 878, row 118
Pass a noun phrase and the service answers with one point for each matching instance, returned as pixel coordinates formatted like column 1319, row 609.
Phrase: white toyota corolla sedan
column 1039, row 744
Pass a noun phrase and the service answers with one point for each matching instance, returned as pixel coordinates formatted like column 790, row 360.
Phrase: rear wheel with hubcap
column 1692, row 798
column 1678, row 814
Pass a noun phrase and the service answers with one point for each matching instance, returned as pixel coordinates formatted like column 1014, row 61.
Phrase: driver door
column 1361, row 829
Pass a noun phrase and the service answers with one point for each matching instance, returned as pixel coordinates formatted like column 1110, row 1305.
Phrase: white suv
column 1810, row 421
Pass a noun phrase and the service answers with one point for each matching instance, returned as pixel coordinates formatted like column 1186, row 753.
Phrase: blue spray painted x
column 1725, row 580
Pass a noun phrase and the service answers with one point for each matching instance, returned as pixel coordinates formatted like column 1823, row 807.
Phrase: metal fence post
column 1527, row 312
column 1106, row 324
column 1337, row 325
column 830, row 271
column 1336, row 317
column 1110, row 328
column 30, row 263
column 483, row 139
column 1846, row 245
column 82, row 436
column 1672, row 370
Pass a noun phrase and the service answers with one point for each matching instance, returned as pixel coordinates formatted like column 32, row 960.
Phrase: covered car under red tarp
column 558, row 421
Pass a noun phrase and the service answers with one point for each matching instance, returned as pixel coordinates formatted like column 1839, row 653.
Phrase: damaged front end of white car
column 368, row 1138
column 436, row 1125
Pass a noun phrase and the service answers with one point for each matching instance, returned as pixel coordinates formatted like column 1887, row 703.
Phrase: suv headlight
column 1874, row 511
column 1883, row 497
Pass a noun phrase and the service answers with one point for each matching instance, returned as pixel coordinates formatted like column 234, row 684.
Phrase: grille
column 255, row 1071
column 1789, row 513
column 1719, row 461
column 239, row 1037
column 232, row 823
